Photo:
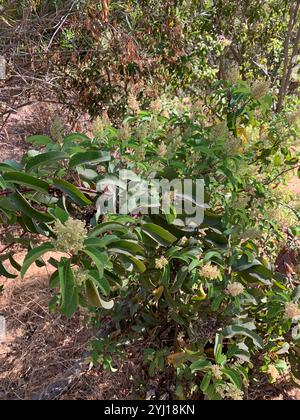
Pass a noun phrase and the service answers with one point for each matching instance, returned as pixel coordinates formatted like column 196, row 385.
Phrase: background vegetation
column 179, row 89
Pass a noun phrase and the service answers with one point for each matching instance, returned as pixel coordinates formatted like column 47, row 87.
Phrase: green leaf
column 98, row 258
column 39, row 140
column 166, row 276
column 206, row 381
column 27, row 181
column 68, row 290
column 44, row 159
column 33, row 255
column 179, row 279
column 72, row 192
column 5, row 273
column 21, row 204
column 101, row 282
column 107, row 227
column 101, row 242
column 219, row 358
column 131, row 247
column 235, row 330
column 14, row 263
column 200, row 365
column 159, row 234
column 2, row 183
column 234, row 376
column 92, row 294
column 138, row 264
column 90, row 157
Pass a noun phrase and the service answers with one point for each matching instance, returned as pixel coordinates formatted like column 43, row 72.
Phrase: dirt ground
column 43, row 352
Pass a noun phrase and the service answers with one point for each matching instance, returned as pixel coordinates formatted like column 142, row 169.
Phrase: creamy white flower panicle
column 156, row 106
column 216, row 371
column 210, row 272
column 161, row 263
column 291, row 310
column 70, row 235
column 235, row 289
column 133, row 104
column 230, row 391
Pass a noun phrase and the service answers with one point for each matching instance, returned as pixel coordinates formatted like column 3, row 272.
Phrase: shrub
column 215, row 290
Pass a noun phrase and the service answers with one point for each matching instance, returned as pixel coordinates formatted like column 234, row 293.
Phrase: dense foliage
column 216, row 294
column 91, row 54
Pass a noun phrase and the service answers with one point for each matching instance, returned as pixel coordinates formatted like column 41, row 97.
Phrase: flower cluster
column 161, row 263
column 210, row 272
column 259, row 89
column 291, row 311
column 216, row 371
column 235, row 289
column 133, row 104
column 156, row 106
column 70, row 236
column 229, row 391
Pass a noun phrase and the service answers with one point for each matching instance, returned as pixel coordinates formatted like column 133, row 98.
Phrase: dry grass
column 41, row 349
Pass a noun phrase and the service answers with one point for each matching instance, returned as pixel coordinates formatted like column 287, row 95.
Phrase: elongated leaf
column 72, row 192
column 2, row 183
column 129, row 246
column 102, row 282
column 138, row 264
column 68, row 290
column 35, row 254
column 21, row 204
column 179, row 279
column 98, row 258
column 101, row 242
column 106, row 304
column 159, row 234
column 44, row 159
column 107, row 227
column 200, row 365
column 236, row 330
column 14, row 263
column 90, row 157
column 27, row 181
column 92, row 294
column 39, row 140
column 234, row 376
column 5, row 273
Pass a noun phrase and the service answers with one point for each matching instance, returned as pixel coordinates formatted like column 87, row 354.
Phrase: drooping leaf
column 34, row 255
column 72, row 192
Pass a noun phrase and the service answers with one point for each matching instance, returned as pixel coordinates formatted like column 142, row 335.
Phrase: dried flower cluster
column 291, row 311
column 259, row 89
column 273, row 372
column 235, row 289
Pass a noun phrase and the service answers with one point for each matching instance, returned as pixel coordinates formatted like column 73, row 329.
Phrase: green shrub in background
column 215, row 291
